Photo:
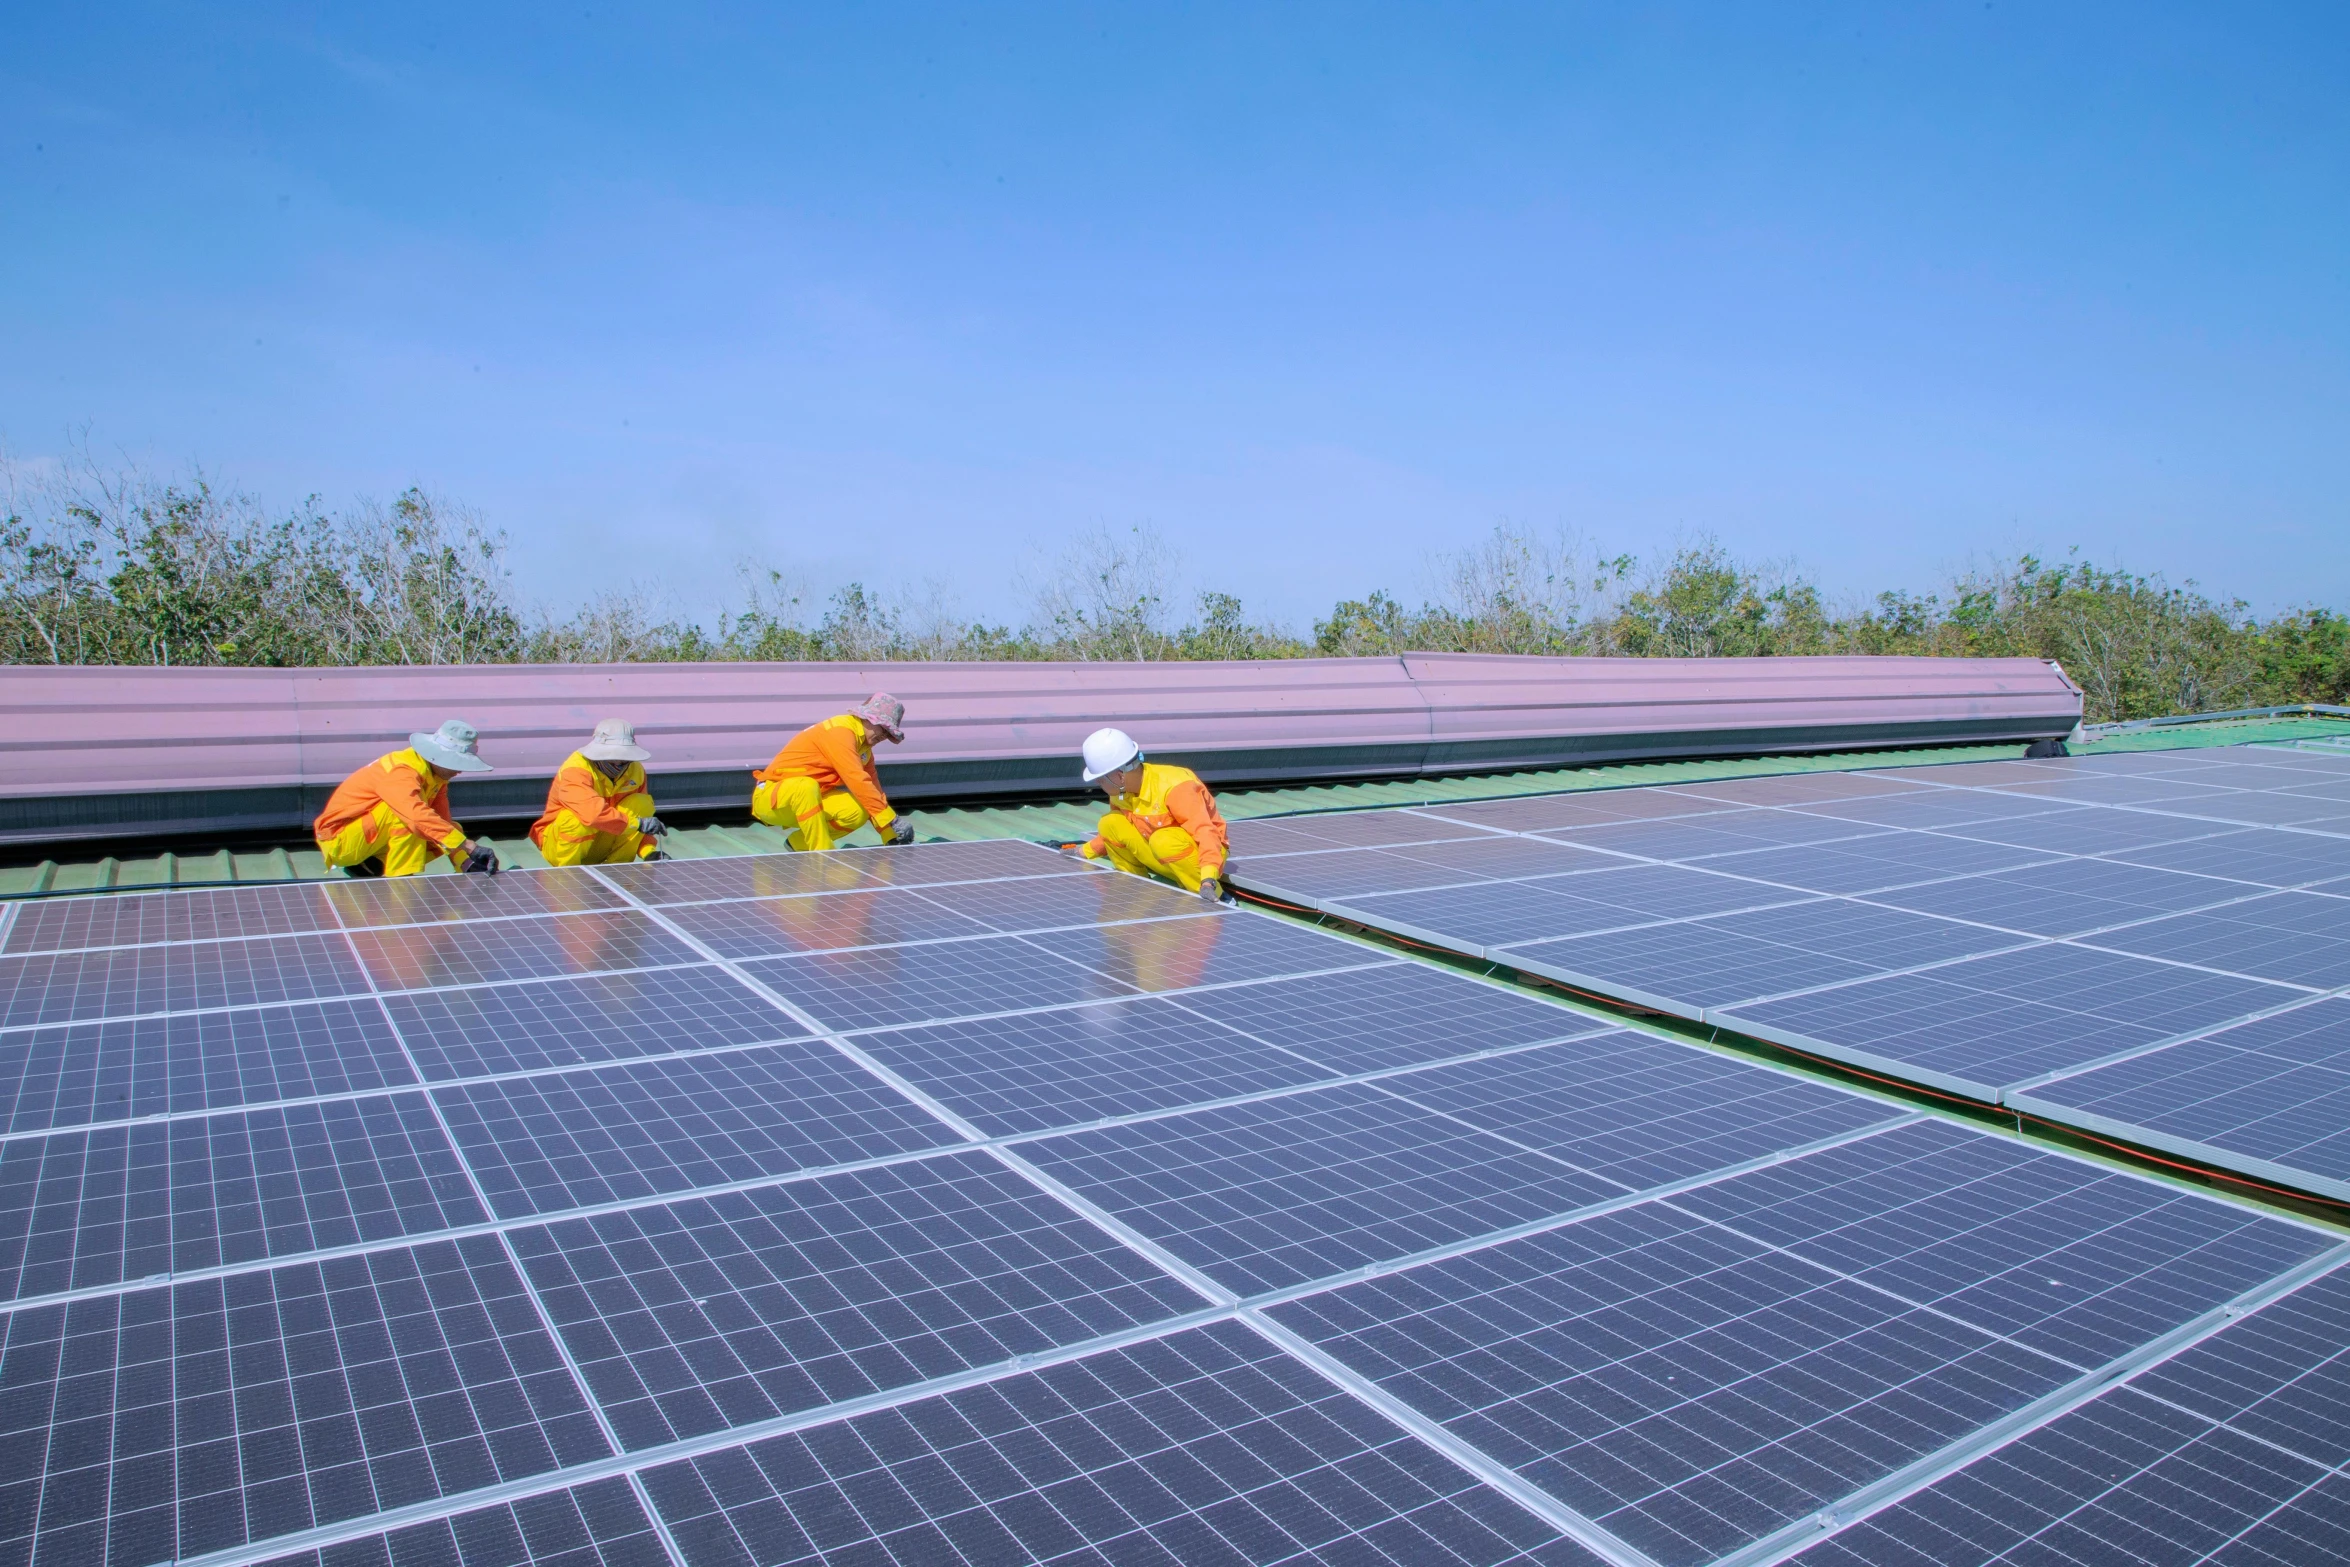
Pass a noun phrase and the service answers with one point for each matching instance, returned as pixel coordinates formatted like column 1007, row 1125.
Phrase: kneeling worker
column 1162, row 822
column 821, row 785
column 598, row 810
column 391, row 818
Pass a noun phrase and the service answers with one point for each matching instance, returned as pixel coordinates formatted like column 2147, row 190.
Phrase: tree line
column 103, row 566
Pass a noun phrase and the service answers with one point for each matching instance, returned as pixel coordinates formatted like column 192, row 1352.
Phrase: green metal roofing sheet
column 1064, row 821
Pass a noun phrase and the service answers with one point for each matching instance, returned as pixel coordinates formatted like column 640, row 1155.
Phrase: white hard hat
column 1107, row 750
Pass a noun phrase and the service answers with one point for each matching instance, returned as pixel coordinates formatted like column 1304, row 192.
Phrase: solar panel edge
column 2288, row 1177
column 2085, row 1390
column 1868, row 1061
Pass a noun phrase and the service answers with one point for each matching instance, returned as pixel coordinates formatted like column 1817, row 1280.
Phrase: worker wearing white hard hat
column 1162, row 820
column 599, row 808
column 391, row 818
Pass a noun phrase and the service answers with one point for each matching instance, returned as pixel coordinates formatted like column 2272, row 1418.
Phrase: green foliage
column 99, row 568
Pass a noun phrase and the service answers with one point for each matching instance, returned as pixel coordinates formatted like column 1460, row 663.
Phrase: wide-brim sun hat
column 615, row 741
column 451, row 746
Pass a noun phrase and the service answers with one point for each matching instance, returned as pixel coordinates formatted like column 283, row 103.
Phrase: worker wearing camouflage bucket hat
column 821, row 785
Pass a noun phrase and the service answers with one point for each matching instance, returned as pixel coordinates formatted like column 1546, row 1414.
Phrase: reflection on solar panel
column 2091, row 940
column 965, row 1203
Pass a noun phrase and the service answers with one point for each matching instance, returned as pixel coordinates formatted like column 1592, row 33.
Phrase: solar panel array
column 2153, row 946
column 962, row 1202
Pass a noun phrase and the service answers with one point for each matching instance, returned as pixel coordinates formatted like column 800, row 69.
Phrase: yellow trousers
column 570, row 841
column 1169, row 854
column 382, row 832
column 813, row 818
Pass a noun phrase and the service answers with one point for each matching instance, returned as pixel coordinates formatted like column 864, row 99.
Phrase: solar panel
column 1978, row 929
column 2232, row 1451
column 604, row 1213
column 2270, row 1098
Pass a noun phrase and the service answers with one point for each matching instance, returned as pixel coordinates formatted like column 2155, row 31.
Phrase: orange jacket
column 1172, row 796
column 403, row 781
column 838, row 755
column 587, row 794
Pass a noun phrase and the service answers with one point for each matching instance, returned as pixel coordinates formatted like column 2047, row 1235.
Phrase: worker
column 1162, row 820
column 821, row 785
column 391, row 818
column 598, row 810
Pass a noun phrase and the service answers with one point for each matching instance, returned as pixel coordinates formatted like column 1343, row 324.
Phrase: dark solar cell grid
column 1537, row 813
column 198, row 1417
column 428, row 957
column 2154, row 792
column 78, row 1073
column 922, row 865
column 1880, row 938
column 600, row 1524
column 1341, row 873
column 1941, row 810
column 2055, row 1254
column 68, row 986
column 2273, row 859
column 1640, row 1110
column 620, row 1133
column 1400, row 1015
column 2300, row 938
column 574, row 1022
column 426, row 900
column 1051, row 902
column 2121, row 1480
column 2012, row 1017
column 711, row 1313
column 1158, row 955
column 2069, row 898
column 1801, row 788
column 1281, row 1192
column 1687, row 1388
column 2092, row 832
column 1868, row 865
column 1469, row 919
column 820, row 923
column 882, row 987
column 81, row 1209
column 1505, row 858
column 1679, row 838
column 1377, row 829
column 1683, row 967
column 1259, row 839
column 1054, row 1069
column 1205, row 1446
column 2275, row 1090
column 1666, row 892
column 2153, row 1468
column 2268, row 810
column 744, row 876
column 113, row 920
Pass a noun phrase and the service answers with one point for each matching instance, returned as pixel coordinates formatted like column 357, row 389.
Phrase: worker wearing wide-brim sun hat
column 599, row 807
column 391, row 817
column 1162, row 822
column 821, row 785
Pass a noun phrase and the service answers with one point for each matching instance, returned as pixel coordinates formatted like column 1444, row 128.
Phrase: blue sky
column 914, row 293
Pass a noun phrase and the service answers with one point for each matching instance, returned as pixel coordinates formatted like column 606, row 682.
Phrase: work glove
column 900, row 831
column 652, row 826
column 479, row 858
column 1211, row 890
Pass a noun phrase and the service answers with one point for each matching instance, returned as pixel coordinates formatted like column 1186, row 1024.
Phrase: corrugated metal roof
column 1066, row 820
column 258, row 750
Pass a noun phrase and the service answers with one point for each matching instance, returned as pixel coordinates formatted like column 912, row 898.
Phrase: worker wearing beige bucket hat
column 599, row 810
column 391, row 818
